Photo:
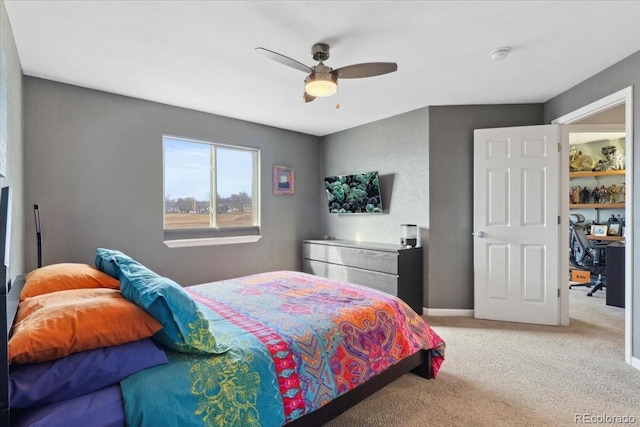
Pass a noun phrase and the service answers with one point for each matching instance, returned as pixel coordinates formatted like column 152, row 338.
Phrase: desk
column 615, row 274
column 606, row 238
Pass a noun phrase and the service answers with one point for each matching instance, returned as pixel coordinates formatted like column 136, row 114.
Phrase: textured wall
column 398, row 149
column 94, row 164
column 451, row 194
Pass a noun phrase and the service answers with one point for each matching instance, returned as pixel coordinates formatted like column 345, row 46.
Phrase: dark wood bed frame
column 419, row 363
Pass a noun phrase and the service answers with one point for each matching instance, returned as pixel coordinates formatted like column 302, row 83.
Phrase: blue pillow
column 184, row 327
column 80, row 373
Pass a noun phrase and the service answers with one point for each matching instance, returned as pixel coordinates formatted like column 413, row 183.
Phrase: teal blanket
column 232, row 389
column 296, row 342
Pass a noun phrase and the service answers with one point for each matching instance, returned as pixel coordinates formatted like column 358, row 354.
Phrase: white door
column 517, row 210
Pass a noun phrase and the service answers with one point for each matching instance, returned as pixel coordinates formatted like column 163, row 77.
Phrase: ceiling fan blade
column 307, row 98
column 368, row 69
column 283, row 59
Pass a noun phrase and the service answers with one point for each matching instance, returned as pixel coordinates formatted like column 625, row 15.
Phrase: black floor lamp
column 36, row 214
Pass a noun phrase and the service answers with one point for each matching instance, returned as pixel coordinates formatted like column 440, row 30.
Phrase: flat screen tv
column 357, row 193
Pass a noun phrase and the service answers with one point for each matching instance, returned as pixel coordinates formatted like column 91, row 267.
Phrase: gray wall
column 14, row 177
column 425, row 158
column 451, row 193
column 398, row 148
column 619, row 76
column 95, row 167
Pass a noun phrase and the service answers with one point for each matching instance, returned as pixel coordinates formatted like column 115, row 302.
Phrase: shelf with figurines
column 599, row 198
column 583, row 174
column 597, row 205
column 581, row 164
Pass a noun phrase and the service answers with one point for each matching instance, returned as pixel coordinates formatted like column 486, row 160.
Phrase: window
column 210, row 192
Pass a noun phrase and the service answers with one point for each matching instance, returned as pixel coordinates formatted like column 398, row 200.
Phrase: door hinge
column 559, row 219
column 559, row 147
column 558, row 292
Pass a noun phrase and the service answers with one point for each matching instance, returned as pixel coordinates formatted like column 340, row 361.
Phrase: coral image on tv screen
column 358, row 193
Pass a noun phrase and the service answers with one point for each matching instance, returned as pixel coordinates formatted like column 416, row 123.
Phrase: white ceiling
column 200, row 54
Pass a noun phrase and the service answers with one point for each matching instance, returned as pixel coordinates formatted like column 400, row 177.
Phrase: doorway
column 604, row 110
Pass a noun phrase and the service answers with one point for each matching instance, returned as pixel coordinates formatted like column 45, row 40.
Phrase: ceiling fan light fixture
column 321, row 84
column 321, row 80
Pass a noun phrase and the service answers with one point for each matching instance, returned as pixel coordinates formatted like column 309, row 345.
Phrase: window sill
column 210, row 241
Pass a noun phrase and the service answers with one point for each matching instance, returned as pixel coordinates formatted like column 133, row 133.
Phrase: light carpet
column 512, row 374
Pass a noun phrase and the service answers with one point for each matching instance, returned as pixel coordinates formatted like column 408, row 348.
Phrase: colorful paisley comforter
column 297, row 341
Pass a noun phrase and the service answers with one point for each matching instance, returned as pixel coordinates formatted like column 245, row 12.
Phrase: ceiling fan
column 323, row 80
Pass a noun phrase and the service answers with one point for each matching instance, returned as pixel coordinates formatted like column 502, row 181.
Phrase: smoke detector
column 500, row 53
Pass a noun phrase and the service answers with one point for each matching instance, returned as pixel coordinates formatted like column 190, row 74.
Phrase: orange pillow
column 60, row 277
column 54, row 325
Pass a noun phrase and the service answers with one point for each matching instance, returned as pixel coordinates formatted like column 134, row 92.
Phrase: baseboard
column 635, row 362
column 447, row 312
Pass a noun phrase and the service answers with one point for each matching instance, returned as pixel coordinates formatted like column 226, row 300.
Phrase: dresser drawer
column 381, row 261
column 386, row 267
column 381, row 281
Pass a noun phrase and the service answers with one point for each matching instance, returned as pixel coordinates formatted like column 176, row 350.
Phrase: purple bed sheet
column 103, row 408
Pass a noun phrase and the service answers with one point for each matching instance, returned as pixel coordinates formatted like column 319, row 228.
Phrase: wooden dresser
column 385, row 267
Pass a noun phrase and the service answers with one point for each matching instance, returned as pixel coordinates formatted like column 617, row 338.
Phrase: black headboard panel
column 8, row 308
column 5, row 237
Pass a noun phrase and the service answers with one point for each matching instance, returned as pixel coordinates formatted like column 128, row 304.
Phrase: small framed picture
column 614, row 229
column 599, row 230
column 283, row 180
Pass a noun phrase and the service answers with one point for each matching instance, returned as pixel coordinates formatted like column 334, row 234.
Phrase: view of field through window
column 195, row 170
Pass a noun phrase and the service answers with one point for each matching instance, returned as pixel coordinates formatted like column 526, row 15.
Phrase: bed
column 267, row 349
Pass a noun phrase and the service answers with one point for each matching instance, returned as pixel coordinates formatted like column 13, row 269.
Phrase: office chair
column 588, row 256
